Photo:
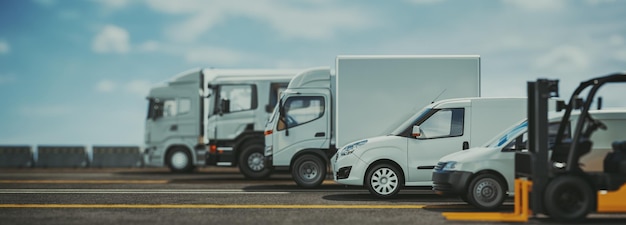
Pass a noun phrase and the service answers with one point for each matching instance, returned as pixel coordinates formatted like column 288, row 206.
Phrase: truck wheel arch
column 316, row 152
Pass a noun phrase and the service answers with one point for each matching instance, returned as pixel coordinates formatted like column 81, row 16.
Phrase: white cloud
column 308, row 20
column 616, row 40
column 4, row 47
column 105, row 86
column 564, row 59
column 111, row 39
column 140, row 87
column 537, row 5
column 149, row 46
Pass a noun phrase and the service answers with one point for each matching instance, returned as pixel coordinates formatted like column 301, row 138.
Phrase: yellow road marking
column 209, row 206
column 84, row 181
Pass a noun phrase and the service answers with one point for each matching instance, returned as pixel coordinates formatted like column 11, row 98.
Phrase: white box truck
column 484, row 176
column 321, row 110
column 408, row 154
column 212, row 117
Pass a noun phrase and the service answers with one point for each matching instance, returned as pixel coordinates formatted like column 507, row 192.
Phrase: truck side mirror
column 417, row 132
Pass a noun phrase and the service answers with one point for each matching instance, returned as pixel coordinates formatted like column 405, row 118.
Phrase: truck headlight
column 349, row 149
column 269, row 150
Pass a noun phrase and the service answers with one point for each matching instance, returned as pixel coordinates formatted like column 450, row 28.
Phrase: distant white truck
column 321, row 110
column 484, row 176
column 408, row 154
column 212, row 117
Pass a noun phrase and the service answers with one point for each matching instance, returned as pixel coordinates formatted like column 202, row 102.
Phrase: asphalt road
column 213, row 196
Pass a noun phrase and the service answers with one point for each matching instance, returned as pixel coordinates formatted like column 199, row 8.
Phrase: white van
column 407, row 156
column 484, row 176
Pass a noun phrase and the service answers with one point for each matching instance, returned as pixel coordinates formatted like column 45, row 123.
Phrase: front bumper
column 450, row 182
column 152, row 157
column 349, row 170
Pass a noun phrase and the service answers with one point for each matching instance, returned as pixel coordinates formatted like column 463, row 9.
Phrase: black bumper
column 450, row 182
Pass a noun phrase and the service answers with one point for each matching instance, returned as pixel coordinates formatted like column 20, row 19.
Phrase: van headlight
column 349, row 149
column 452, row 165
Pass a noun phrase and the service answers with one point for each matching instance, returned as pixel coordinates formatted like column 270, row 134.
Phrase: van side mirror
column 417, row 132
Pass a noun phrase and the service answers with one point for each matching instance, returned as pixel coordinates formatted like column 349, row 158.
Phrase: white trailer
column 321, row 110
column 407, row 155
column 212, row 117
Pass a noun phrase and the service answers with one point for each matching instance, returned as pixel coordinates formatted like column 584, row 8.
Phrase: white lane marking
column 136, row 191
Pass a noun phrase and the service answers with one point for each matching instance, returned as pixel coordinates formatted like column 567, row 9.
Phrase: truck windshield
column 401, row 125
column 155, row 108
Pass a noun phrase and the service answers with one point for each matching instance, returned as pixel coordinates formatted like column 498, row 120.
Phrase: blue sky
column 78, row 71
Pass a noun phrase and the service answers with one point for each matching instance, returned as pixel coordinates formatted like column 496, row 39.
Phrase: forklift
column 549, row 177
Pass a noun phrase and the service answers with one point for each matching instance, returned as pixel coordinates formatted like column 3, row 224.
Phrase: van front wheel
column 486, row 191
column 384, row 180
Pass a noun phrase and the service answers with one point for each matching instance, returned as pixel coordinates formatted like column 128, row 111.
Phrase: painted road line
column 209, row 206
column 137, row 191
column 84, row 181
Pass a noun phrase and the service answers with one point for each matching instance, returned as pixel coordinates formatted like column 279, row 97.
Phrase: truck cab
column 212, row 117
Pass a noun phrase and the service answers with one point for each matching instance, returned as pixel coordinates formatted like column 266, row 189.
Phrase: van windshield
column 401, row 125
column 511, row 133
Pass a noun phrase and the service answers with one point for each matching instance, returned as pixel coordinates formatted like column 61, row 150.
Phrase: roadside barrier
column 116, row 156
column 61, row 157
column 16, row 156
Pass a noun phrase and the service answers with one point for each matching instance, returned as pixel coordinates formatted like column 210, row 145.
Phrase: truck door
column 172, row 117
column 233, row 110
column 443, row 132
column 303, row 123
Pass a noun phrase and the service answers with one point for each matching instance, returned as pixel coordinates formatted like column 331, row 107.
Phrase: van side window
column 301, row 110
column 444, row 123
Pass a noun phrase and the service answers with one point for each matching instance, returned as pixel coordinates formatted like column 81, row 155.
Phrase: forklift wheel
column 568, row 198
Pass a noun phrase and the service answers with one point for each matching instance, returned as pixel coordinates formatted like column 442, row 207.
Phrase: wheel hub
column 255, row 161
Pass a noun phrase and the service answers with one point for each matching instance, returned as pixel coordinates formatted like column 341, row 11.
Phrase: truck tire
column 251, row 161
column 384, row 180
column 308, row 171
column 179, row 160
column 486, row 191
column 568, row 198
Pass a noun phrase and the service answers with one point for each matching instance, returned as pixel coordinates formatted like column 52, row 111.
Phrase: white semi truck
column 322, row 110
column 212, row 117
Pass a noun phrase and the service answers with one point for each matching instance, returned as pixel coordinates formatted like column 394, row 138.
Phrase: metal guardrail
column 61, row 157
column 116, row 156
column 16, row 156
column 68, row 156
